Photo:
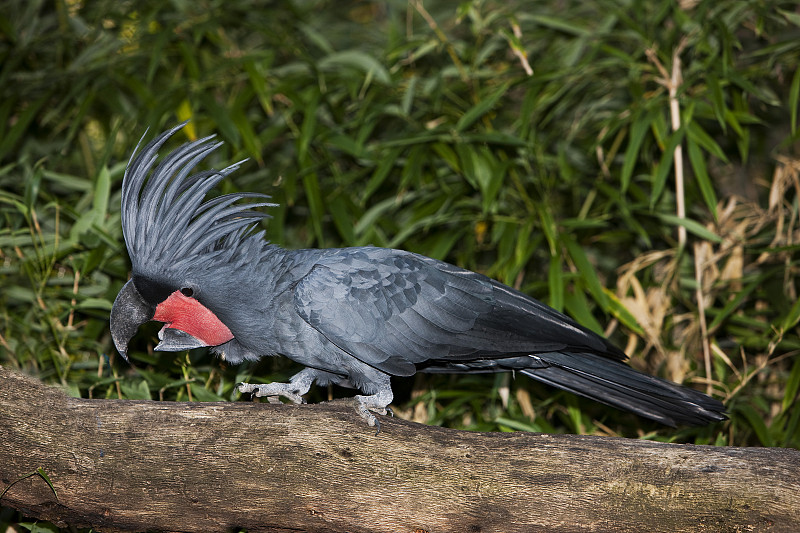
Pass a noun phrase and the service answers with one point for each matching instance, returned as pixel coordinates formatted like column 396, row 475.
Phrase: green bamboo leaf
column 756, row 421
column 792, row 318
column 46, row 478
column 792, row 386
column 732, row 120
column 202, row 394
column 524, row 248
column 72, row 183
column 448, row 155
column 136, row 391
column 176, row 383
column 621, row 313
column 791, row 429
column 493, row 137
column 412, row 171
column 586, row 270
column 185, row 113
column 578, row 307
column 258, row 84
column 385, row 165
column 190, row 63
column 159, row 41
column 692, row 226
column 791, row 16
column 717, row 98
column 96, row 215
column 697, row 159
column 481, row 108
column 102, row 191
column 559, row 24
column 21, row 123
column 342, row 219
column 94, row 303
column 248, row 135
column 316, row 37
column 637, row 134
column 347, row 144
column 418, row 225
column 307, row 129
column 39, row 527
column 517, row 425
column 421, row 138
column 696, row 133
column 440, row 245
column 38, row 472
column 734, row 303
column 555, row 282
column 549, row 229
column 764, row 93
column 380, row 210
column 467, row 157
column 357, row 60
column 487, row 172
column 794, row 97
column 408, row 96
column 315, row 204
column 222, row 118
column 664, row 167
column 661, row 130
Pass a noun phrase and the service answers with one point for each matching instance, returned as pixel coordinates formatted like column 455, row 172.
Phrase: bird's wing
column 393, row 310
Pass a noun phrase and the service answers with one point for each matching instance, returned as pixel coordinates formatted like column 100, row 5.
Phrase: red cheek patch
column 189, row 315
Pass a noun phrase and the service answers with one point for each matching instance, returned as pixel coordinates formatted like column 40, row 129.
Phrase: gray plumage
column 352, row 316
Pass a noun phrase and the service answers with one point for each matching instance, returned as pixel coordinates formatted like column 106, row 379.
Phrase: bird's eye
column 187, row 291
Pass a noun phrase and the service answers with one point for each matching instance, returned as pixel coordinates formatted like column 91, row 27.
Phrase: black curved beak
column 128, row 313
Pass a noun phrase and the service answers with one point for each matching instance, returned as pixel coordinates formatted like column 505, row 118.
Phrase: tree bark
column 118, row 465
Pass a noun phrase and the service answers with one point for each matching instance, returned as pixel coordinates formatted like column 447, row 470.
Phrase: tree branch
column 119, row 465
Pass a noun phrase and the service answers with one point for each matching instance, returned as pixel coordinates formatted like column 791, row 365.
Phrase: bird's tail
column 615, row 383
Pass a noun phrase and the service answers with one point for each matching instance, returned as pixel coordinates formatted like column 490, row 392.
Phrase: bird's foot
column 273, row 391
column 374, row 403
column 294, row 390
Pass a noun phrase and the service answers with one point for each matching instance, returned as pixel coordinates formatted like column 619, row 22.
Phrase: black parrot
column 352, row 316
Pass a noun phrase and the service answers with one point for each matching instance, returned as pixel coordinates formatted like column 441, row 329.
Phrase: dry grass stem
column 673, row 83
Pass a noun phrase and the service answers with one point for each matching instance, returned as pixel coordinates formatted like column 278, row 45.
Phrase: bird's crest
column 164, row 218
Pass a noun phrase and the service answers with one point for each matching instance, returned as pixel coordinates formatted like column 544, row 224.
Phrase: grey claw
column 251, row 393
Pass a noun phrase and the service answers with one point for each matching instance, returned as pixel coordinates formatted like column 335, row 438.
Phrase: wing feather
column 393, row 310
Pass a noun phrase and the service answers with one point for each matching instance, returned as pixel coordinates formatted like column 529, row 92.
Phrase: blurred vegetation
column 532, row 141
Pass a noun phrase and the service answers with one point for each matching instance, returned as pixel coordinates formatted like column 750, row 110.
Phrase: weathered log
column 120, row 465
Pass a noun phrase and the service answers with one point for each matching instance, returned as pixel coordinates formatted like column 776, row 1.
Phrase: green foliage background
column 417, row 126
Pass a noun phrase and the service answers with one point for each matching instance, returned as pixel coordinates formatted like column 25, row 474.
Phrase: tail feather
column 616, row 384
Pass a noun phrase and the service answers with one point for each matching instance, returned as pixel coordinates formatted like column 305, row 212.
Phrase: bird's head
column 183, row 249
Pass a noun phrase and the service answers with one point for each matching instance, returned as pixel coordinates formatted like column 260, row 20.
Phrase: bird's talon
column 273, row 391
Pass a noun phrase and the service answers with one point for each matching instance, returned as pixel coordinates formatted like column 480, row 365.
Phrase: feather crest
column 164, row 217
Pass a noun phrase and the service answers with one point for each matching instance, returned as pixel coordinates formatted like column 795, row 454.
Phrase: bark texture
column 120, row 465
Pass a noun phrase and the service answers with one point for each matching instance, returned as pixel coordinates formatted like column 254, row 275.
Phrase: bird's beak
column 128, row 313
column 175, row 340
